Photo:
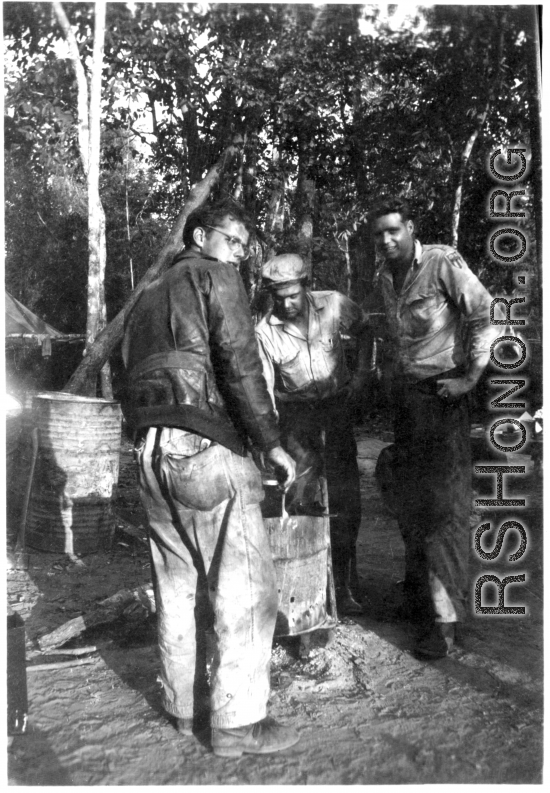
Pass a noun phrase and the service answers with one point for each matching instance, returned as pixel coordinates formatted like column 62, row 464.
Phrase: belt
column 428, row 385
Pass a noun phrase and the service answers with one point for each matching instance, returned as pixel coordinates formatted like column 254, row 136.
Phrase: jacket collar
column 189, row 253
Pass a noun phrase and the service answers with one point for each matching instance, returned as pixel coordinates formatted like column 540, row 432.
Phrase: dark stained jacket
column 191, row 357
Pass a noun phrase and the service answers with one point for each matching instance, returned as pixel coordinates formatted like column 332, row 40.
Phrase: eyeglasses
column 233, row 242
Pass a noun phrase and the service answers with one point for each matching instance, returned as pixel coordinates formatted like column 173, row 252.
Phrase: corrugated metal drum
column 76, row 473
column 300, row 546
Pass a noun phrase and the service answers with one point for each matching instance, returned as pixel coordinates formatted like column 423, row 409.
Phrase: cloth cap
column 284, row 269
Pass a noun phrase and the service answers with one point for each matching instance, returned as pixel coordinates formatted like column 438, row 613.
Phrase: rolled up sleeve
column 474, row 303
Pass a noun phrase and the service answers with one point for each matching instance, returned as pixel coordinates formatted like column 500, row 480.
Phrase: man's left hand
column 285, row 467
column 454, row 387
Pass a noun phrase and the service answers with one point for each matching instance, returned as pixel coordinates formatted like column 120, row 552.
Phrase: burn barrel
column 300, row 547
column 76, row 473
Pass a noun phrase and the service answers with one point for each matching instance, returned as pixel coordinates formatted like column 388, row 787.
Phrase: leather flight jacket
column 192, row 360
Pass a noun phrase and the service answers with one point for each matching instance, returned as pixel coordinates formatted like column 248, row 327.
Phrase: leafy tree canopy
column 333, row 105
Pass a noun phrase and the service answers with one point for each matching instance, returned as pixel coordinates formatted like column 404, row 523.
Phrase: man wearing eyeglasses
column 196, row 400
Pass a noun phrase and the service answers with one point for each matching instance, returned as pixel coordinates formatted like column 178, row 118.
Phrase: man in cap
column 302, row 350
column 196, row 395
column 438, row 322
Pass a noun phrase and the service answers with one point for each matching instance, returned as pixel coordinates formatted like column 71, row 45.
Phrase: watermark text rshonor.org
column 501, row 207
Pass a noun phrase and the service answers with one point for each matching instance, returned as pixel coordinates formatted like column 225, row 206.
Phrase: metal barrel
column 18, row 462
column 300, row 547
column 76, row 473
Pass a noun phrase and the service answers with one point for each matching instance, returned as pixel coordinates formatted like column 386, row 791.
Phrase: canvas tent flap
column 24, row 328
column 21, row 320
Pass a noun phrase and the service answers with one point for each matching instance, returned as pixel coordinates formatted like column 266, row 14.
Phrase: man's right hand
column 285, row 467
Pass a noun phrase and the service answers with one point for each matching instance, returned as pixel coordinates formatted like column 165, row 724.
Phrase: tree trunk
column 275, row 218
column 196, row 150
column 343, row 243
column 97, row 246
column 239, row 176
column 110, row 336
column 127, row 205
column 464, row 159
column 363, row 258
column 305, row 221
column 89, row 139
column 274, row 223
column 481, row 118
column 249, row 176
column 96, row 318
column 305, row 203
column 83, row 120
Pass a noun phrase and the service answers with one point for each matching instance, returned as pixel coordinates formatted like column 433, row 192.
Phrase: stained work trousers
column 302, row 424
column 212, row 567
column 433, row 477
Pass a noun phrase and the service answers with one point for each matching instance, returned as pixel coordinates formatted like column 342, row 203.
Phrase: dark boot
column 436, row 641
column 346, row 604
column 354, row 583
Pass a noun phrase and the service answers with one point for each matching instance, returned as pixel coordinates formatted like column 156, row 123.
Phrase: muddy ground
column 368, row 712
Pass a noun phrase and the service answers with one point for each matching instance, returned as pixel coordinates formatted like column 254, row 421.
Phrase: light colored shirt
column 311, row 367
column 441, row 318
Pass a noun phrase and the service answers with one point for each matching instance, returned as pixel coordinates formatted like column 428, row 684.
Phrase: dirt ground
column 368, row 712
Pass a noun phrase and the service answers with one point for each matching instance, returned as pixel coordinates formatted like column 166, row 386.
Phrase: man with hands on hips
column 437, row 316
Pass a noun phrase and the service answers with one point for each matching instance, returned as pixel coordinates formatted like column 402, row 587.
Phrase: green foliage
column 343, row 96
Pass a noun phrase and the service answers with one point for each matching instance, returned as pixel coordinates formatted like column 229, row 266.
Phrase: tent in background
column 25, row 328
column 38, row 356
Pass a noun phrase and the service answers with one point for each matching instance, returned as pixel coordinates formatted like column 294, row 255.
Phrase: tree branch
column 112, row 335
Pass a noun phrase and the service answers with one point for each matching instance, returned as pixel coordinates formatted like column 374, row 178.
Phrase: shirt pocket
column 293, row 372
column 332, row 348
column 333, row 355
column 198, row 482
column 421, row 313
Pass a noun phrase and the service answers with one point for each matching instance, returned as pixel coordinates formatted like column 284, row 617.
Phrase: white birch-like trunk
column 464, row 160
column 305, row 222
column 97, row 249
column 89, row 139
column 83, row 122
